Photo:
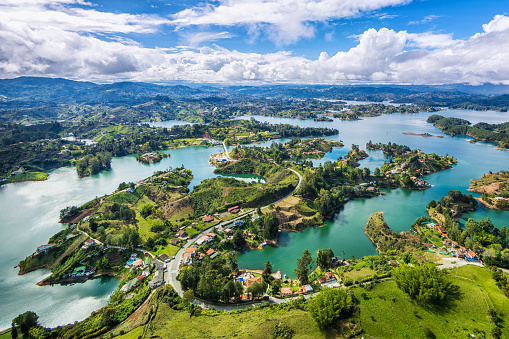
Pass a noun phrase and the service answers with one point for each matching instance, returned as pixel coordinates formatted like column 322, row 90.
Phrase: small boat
column 263, row 244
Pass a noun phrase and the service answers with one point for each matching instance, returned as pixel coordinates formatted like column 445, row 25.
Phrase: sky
column 257, row 41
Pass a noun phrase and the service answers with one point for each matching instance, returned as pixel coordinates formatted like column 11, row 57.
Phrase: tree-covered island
column 482, row 131
column 493, row 188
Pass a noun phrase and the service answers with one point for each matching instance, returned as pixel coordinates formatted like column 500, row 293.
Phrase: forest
column 482, row 131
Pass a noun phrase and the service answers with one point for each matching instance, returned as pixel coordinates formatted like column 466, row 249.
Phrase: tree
column 14, row 333
column 276, row 286
column 330, row 305
column 326, row 204
column 134, row 238
column 304, row 265
column 188, row 296
column 324, row 258
column 366, row 172
column 25, row 321
column 268, row 268
column 424, row 283
column 377, row 172
column 270, row 225
column 93, row 225
column 146, row 210
column 257, row 289
column 238, row 240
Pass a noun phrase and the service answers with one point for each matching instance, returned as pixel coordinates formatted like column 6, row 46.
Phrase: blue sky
column 257, row 41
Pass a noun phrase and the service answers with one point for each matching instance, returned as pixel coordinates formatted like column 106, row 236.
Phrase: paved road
column 226, row 153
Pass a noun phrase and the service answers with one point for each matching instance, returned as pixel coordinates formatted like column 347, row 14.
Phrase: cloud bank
column 284, row 21
column 69, row 43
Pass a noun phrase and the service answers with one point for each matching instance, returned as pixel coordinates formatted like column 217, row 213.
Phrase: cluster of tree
column 480, row 131
column 353, row 156
column 386, row 239
column 28, row 325
column 500, row 279
column 324, row 258
column 37, row 156
column 69, row 211
column 455, row 201
column 389, row 148
column 93, row 164
column 212, row 280
column 328, row 202
column 118, row 211
column 425, row 283
column 150, row 158
column 374, row 110
column 304, row 267
column 123, row 185
column 15, row 133
column 330, row 305
column 499, row 187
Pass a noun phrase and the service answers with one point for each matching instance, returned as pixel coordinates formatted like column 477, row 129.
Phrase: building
column 306, row 289
column 43, row 248
column 164, row 257
column 329, row 276
column 138, row 263
column 18, row 171
column 238, row 223
column 233, row 209
column 191, row 251
column 88, row 243
column 182, row 234
column 158, row 278
column 471, row 256
column 174, row 241
column 286, row 291
column 208, row 218
column 251, row 281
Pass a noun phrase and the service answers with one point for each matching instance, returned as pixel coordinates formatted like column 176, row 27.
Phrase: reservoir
column 30, row 210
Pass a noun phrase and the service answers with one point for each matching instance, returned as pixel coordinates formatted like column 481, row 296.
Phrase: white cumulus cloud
column 284, row 21
column 382, row 55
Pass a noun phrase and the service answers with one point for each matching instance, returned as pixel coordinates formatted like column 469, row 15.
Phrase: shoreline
column 425, row 135
column 76, row 279
column 490, row 206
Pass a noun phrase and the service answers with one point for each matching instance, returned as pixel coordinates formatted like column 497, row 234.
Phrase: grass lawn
column 6, row 335
column 168, row 249
column 258, row 323
column 363, row 272
column 34, row 176
column 467, row 314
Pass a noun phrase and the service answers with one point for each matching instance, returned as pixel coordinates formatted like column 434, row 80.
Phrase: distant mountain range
column 37, row 91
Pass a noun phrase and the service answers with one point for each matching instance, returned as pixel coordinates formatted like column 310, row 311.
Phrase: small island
column 151, row 157
column 494, row 190
column 482, row 131
column 407, row 166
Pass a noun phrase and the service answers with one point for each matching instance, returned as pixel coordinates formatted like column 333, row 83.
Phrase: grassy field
column 27, row 176
column 258, row 323
column 358, row 274
column 5, row 335
column 386, row 312
column 383, row 312
column 169, row 249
